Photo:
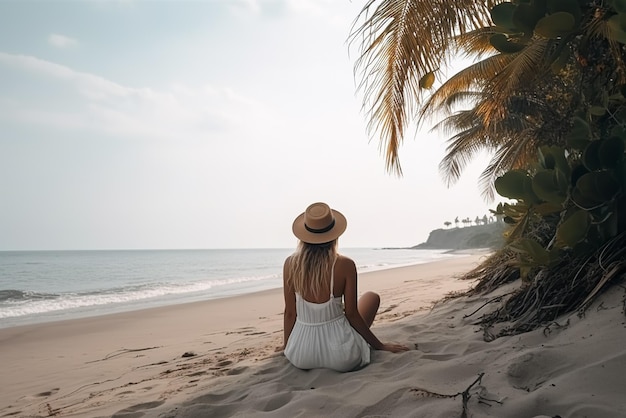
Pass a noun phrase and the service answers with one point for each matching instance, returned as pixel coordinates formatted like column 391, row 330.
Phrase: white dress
column 322, row 337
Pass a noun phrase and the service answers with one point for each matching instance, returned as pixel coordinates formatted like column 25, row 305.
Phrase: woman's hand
column 394, row 348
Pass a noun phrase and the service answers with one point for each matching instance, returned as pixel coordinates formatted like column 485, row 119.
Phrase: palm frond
column 403, row 40
column 463, row 147
column 461, row 97
column 471, row 78
column 517, row 152
column 524, row 67
column 476, row 43
column 471, row 135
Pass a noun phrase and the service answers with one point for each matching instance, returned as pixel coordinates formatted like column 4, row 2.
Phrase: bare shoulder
column 345, row 264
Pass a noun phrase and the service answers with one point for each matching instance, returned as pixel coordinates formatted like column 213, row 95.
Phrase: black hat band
column 322, row 230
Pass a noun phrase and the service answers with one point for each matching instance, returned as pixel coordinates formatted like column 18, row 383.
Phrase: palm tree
column 515, row 102
column 540, row 71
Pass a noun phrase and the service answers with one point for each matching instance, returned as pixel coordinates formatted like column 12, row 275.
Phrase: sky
column 200, row 124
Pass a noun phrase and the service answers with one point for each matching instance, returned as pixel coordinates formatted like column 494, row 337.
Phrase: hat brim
column 300, row 231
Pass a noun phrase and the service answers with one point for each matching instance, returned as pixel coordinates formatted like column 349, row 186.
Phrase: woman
column 320, row 331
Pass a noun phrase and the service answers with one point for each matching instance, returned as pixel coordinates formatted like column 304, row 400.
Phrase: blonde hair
column 310, row 265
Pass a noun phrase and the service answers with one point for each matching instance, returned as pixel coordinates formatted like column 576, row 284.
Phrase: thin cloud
column 93, row 102
column 61, row 41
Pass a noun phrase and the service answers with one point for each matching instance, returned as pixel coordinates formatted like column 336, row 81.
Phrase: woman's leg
column 368, row 307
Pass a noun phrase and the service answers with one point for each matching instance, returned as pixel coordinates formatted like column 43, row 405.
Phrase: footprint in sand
column 136, row 411
column 196, row 374
column 270, row 370
column 277, row 402
column 531, row 370
column 230, row 397
column 47, row 393
column 235, row 371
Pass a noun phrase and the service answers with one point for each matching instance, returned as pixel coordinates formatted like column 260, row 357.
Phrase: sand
column 219, row 358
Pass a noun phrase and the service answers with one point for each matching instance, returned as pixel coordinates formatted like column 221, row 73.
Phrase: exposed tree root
column 548, row 293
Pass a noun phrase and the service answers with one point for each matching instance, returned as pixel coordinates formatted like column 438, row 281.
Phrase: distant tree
column 477, row 221
column 447, row 224
column 456, row 221
column 485, row 220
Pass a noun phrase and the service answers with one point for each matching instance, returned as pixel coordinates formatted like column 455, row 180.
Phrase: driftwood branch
column 465, row 394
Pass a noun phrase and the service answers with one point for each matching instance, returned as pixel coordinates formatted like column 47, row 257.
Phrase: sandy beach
column 219, row 358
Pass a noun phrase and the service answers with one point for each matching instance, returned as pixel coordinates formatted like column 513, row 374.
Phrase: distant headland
column 488, row 235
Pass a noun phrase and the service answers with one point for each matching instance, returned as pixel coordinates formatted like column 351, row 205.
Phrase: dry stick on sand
column 465, row 394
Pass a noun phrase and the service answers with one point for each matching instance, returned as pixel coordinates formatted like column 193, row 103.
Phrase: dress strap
column 332, row 279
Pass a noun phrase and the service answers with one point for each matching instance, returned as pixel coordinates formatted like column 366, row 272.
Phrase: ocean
column 42, row 286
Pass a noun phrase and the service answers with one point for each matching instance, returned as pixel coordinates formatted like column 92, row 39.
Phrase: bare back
column 342, row 268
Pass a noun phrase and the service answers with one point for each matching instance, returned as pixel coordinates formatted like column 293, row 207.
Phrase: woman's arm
column 352, row 312
column 289, row 318
column 347, row 268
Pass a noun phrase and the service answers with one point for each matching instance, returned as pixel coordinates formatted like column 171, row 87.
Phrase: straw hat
column 319, row 224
